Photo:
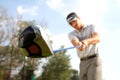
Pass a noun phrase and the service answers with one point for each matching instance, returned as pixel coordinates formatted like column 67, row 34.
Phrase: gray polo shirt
column 85, row 33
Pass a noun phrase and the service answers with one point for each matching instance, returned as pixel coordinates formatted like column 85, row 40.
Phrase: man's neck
column 81, row 27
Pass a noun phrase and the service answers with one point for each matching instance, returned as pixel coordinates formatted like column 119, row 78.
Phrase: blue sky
column 105, row 14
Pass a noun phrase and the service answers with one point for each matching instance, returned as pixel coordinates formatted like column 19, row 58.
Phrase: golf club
column 63, row 49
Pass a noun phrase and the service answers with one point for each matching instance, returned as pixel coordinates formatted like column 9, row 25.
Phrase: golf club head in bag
column 34, row 42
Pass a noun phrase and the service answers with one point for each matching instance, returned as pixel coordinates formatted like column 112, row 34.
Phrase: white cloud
column 90, row 11
column 19, row 10
column 91, row 6
column 55, row 4
column 59, row 40
column 31, row 10
column 118, row 3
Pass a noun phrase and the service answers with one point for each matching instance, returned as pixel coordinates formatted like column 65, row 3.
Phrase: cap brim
column 72, row 18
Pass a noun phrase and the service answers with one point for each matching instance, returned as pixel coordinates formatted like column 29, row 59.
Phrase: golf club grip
column 63, row 49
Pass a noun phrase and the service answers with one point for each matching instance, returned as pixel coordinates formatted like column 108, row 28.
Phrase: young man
column 87, row 38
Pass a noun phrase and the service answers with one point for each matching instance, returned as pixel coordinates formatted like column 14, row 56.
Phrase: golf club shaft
column 63, row 49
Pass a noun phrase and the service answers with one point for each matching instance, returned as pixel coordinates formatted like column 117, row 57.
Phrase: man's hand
column 93, row 40
column 83, row 46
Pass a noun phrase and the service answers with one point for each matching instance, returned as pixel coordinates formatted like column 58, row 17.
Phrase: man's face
column 76, row 23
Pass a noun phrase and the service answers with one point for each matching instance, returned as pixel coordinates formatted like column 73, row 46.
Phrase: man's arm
column 76, row 42
column 93, row 40
column 86, row 42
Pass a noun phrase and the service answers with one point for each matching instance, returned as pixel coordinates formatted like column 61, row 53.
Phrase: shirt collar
column 81, row 29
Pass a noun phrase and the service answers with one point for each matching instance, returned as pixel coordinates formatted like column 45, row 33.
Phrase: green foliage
column 58, row 68
column 1, row 74
column 26, row 73
column 74, row 75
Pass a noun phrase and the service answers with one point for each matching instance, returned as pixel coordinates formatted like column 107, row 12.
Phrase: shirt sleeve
column 94, row 29
column 71, row 35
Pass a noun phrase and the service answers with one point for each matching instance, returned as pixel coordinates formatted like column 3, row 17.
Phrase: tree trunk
column 6, row 75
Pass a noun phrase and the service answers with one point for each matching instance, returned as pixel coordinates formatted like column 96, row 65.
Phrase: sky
column 103, row 13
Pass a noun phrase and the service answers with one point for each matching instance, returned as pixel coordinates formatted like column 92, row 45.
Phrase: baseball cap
column 71, row 17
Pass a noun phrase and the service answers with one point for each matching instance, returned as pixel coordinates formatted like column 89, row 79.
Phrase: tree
column 5, row 20
column 57, row 68
column 11, row 57
column 74, row 75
